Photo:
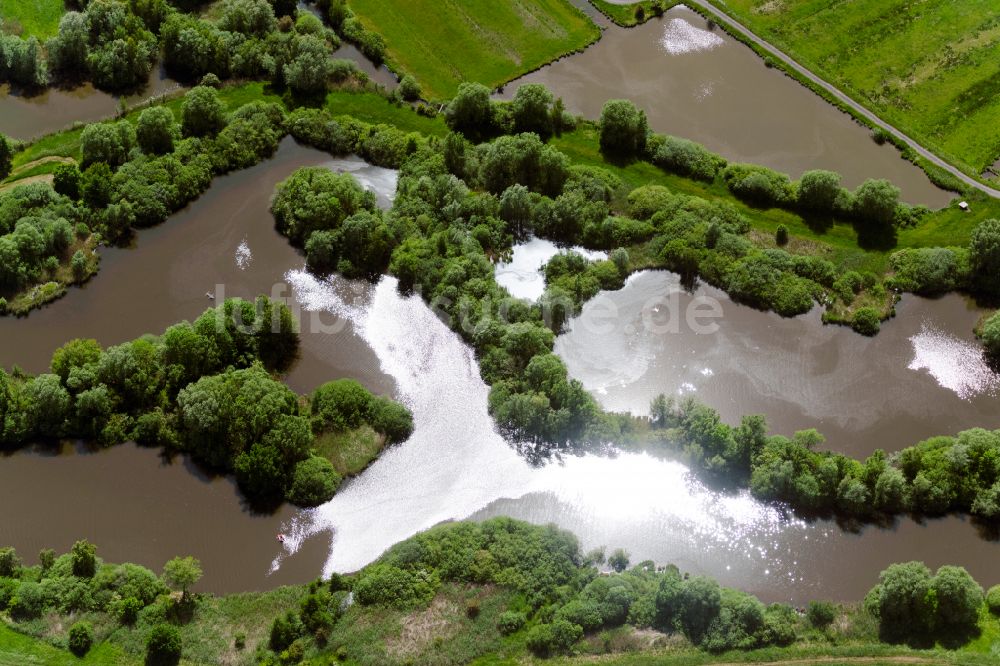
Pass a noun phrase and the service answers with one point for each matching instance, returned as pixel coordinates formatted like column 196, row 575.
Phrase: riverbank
column 941, row 173
column 497, row 592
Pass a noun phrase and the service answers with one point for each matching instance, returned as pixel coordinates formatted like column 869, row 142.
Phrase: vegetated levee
column 580, row 211
column 935, row 78
column 699, row 83
column 500, row 588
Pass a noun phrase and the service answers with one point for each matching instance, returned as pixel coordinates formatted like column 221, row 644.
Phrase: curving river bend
column 139, row 508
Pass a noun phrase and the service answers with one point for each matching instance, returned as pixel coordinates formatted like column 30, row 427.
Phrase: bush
column 409, row 89
column 623, row 129
column 81, row 637
column 984, row 257
column 313, row 482
column 866, row 321
column 821, row 614
column 993, row 599
column 164, row 645
column 28, row 601
column 202, row 113
column 686, row 158
column 990, row 334
column 391, row 586
column 781, row 235
column 10, row 563
column 511, row 622
column 156, row 131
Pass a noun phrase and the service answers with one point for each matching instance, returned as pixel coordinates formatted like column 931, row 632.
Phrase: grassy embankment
column 32, row 18
column 443, row 632
column 444, row 43
column 930, row 68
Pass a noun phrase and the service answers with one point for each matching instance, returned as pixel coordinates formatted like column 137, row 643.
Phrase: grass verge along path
column 930, row 70
column 445, row 42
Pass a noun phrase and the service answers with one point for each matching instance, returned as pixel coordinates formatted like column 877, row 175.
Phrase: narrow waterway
column 134, row 505
column 695, row 81
column 922, row 375
column 456, row 465
column 140, row 508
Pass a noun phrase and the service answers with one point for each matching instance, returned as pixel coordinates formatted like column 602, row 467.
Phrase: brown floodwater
column 137, row 507
column 125, row 499
column 696, row 82
column 921, row 376
column 25, row 117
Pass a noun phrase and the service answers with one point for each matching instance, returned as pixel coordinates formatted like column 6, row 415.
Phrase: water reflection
column 862, row 393
column 522, row 275
column 456, row 466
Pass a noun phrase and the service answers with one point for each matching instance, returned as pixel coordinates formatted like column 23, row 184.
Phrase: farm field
column 445, row 43
column 31, row 18
column 930, row 68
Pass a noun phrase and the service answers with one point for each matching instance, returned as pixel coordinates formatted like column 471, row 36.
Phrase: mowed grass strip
column 32, row 18
column 445, row 42
column 931, row 68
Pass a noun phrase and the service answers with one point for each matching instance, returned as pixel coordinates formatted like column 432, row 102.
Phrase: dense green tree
column 340, row 405
column 84, row 559
column 904, row 602
column 67, row 51
column 530, row 109
column 409, row 89
column 619, row 560
column 623, row 129
column 990, row 334
column 202, row 113
column 163, row 646
column 471, row 112
column 156, row 131
column 315, row 198
column 314, row 482
column 66, row 180
column 74, row 354
column 249, row 17
column 6, row 156
column 181, row 573
column 48, row 405
column 310, row 68
column 700, row 601
column 818, row 190
column 875, row 202
column 984, row 257
column 81, row 638
column 10, row 563
column 96, row 185
column 958, row 598
column 109, row 143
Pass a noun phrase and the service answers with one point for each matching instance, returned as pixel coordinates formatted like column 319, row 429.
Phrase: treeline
column 552, row 598
column 941, row 475
column 204, row 388
column 136, row 173
column 115, row 43
column 563, row 596
column 98, row 598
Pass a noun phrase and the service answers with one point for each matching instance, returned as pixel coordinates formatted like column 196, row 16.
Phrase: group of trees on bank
column 204, row 388
column 115, row 43
column 556, row 595
column 874, row 205
column 566, row 596
column 932, row 478
column 79, row 583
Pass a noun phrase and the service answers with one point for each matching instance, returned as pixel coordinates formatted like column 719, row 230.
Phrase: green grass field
column 931, row 68
column 445, row 42
column 27, row 18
